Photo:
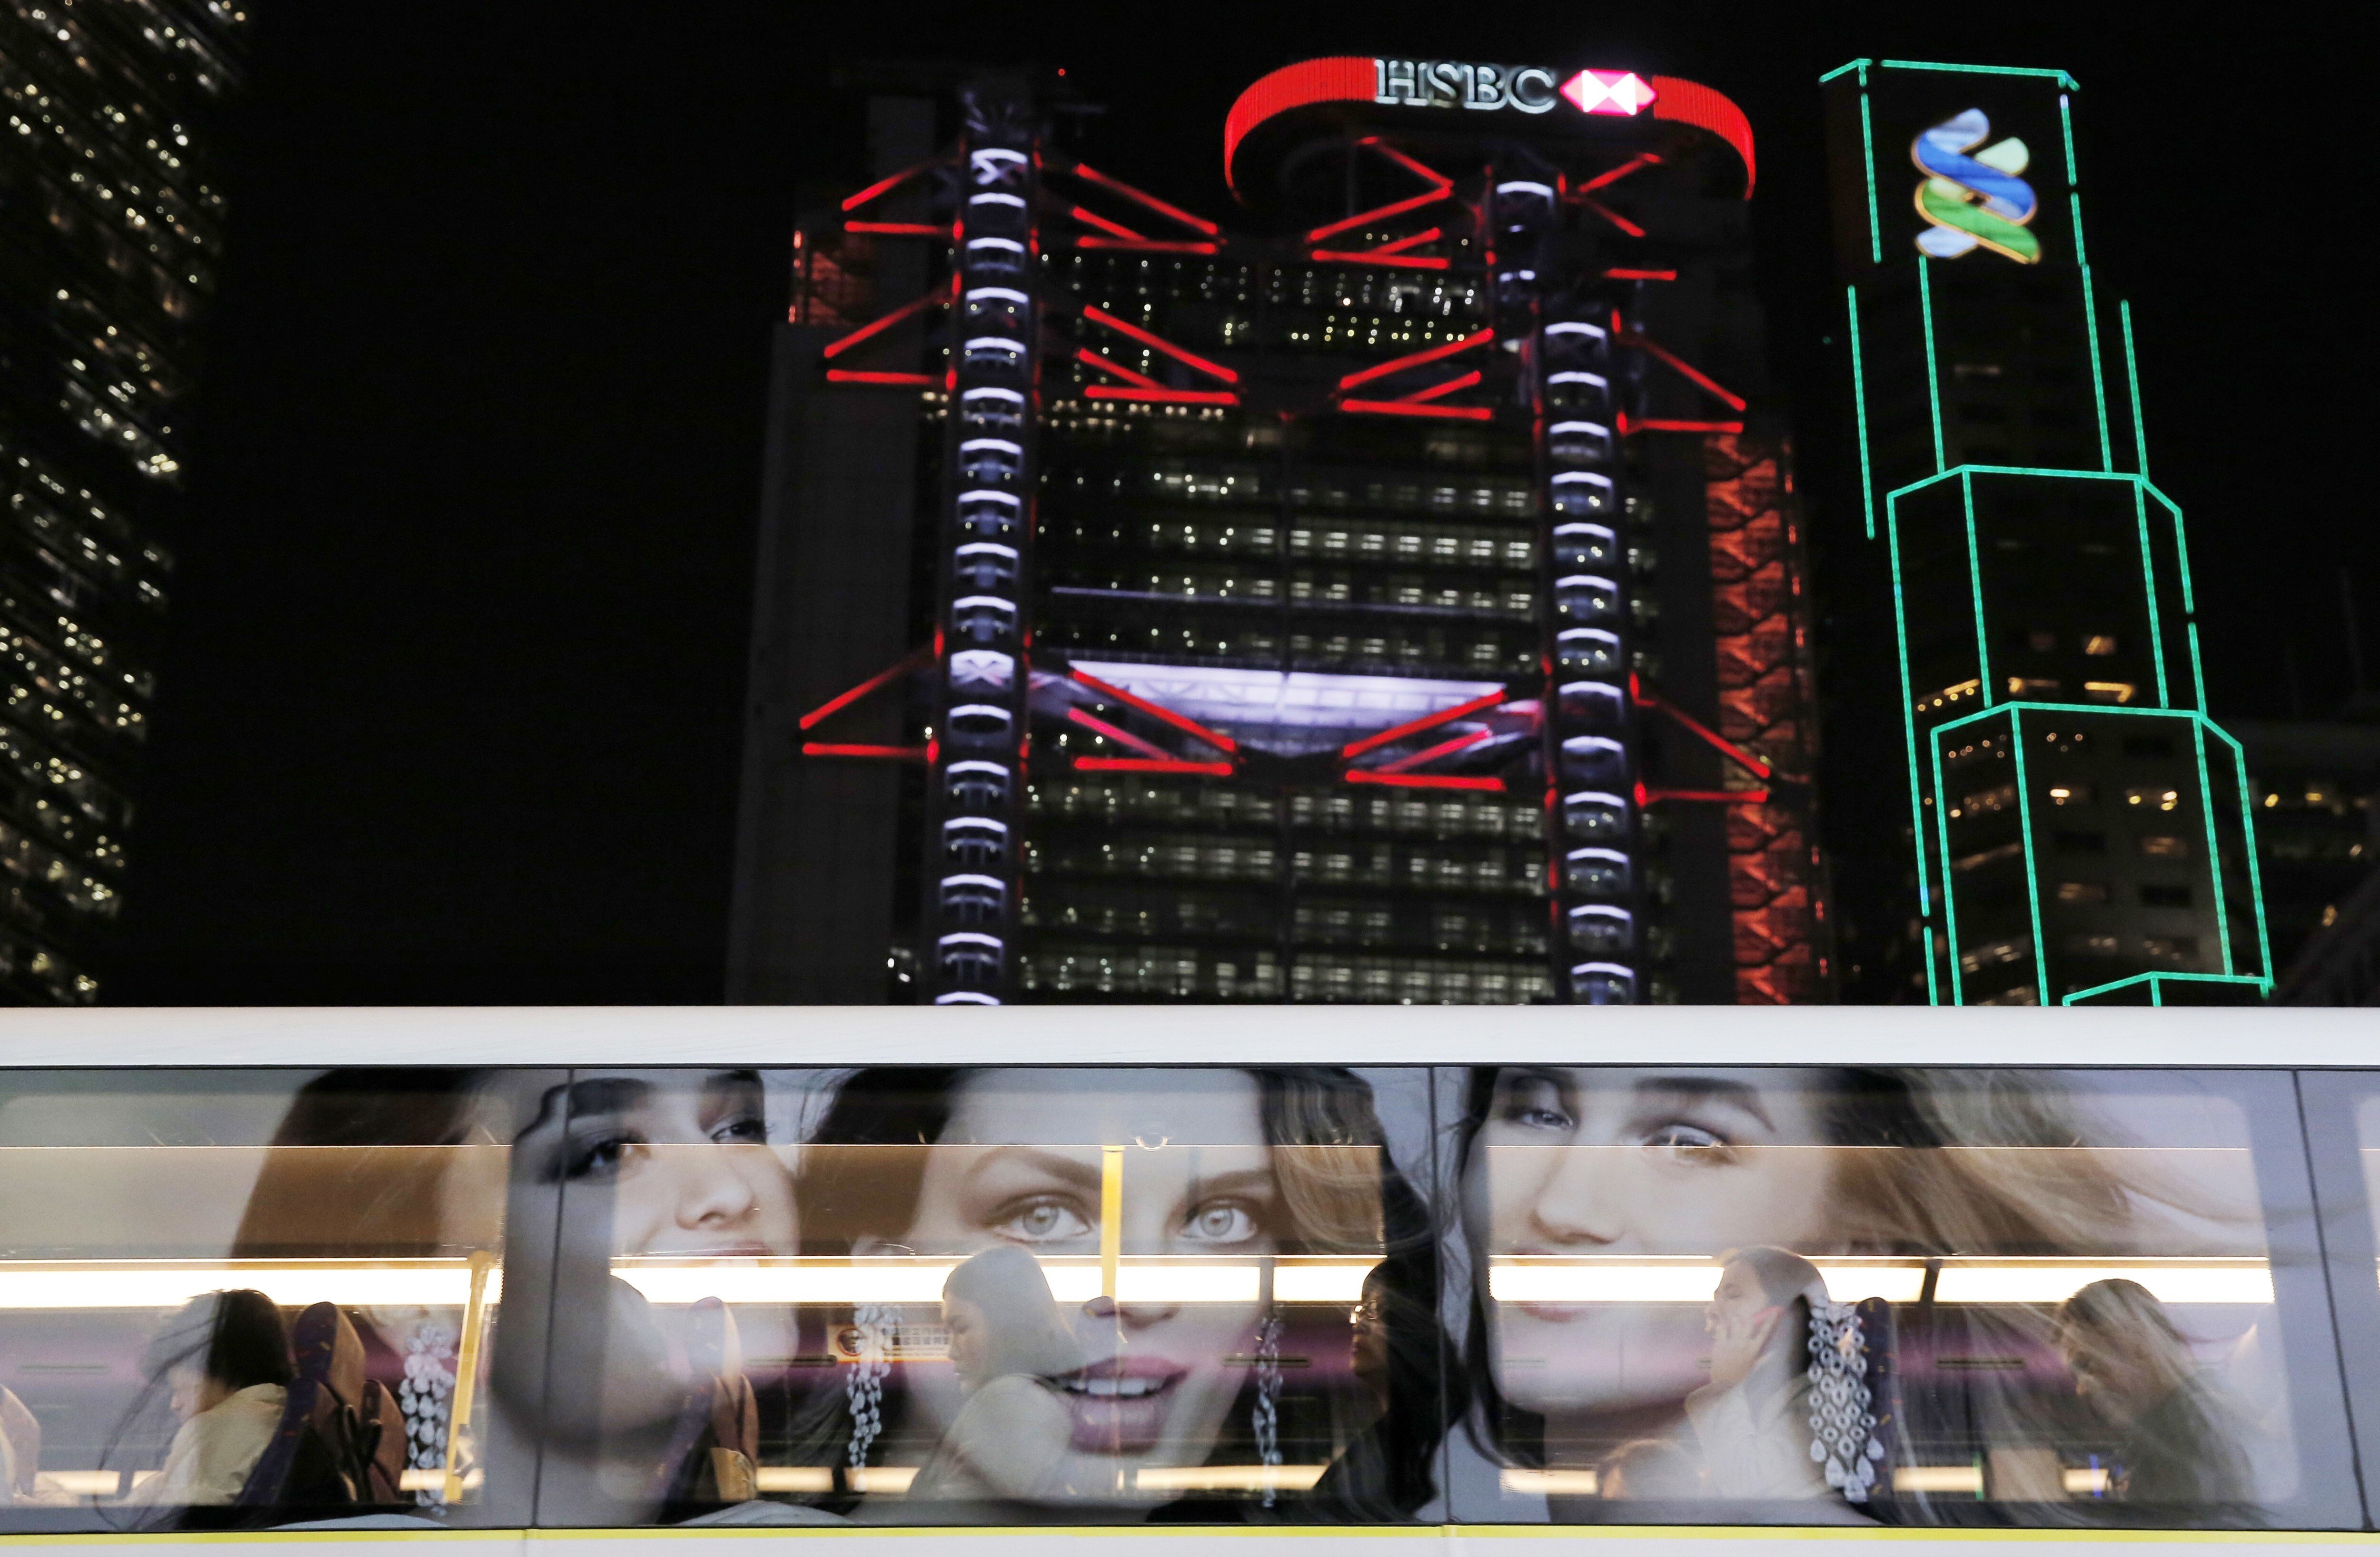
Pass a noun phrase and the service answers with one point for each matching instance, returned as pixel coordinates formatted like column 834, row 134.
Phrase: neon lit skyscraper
column 1392, row 594
column 2081, row 825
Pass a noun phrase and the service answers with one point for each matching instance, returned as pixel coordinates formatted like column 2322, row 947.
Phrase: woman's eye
column 602, row 1158
column 1042, row 1221
column 1537, row 1107
column 1222, row 1222
column 743, row 1129
column 1684, row 1136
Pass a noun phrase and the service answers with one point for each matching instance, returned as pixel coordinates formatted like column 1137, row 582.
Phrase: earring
column 862, row 1386
column 1268, row 1407
column 1842, row 1419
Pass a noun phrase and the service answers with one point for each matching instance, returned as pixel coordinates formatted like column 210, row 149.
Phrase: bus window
column 911, row 1295
column 1902, row 1297
column 240, row 1300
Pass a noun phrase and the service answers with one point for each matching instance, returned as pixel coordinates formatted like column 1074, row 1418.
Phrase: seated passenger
column 1008, row 1347
column 2179, row 1443
column 225, row 1359
column 1752, row 1420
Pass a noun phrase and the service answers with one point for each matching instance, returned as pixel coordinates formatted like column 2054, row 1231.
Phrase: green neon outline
column 1858, row 403
column 2066, row 122
column 1854, row 65
column 1867, row 144
column 2032, row 875
column 2065, row 475
column 1933, row 374
column 2132, row 374
column 2060, row 77
column 2214, row 851
column 1933, row 994
column 1975, row 589
column 2149, row 589
column 2098, row 383
column 1909, row 725
column 2181, row 545
column 2152, row 980
column 2100, row 709
column 1949, row 898
column 2255, row 871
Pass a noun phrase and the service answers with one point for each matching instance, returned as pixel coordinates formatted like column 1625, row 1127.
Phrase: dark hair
column 375, row 1203
column 235, row 1338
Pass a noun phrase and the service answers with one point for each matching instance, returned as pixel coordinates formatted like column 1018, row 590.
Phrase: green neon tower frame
column 2081, row 827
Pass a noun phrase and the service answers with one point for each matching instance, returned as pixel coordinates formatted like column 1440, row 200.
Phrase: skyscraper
column 112, row 219
column 2079, row 825
column 1394, row 595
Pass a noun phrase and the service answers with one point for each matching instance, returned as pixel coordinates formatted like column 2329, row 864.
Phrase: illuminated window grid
column 1939, row 738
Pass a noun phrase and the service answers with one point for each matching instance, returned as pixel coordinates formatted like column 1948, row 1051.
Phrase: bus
column 1187, row 1273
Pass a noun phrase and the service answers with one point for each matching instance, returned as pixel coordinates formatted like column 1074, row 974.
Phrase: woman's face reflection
column 1613, row 1162
column 687, row 1159
column 1020, row 1162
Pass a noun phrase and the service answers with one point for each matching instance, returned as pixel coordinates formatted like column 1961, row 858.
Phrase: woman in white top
column 225, row 1358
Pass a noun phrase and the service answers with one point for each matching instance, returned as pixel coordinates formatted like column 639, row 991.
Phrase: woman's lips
column 1120, row 1405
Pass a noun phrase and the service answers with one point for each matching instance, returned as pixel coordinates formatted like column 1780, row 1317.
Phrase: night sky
column 450, row 707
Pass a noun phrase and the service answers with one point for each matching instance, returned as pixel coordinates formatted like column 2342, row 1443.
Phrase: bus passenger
column 2178, row 1442
column 224, row 1359
column 1008, row 1349
column 1752, row 1420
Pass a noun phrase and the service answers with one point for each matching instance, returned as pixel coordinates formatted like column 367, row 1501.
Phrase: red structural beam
column 1711, row 797
column 1621, row 272
column 1123, row 737
column 1435, row 391
column 877, row 327
column 1414, row 240
column 1418, row 169
column 1122, row 327
column 902, row 229
column 1354, row 749
column 1671, row 424
column 1650, row 159
column 1152, row 764
column 1158, row 711
column 861, row 376
column 1423, row 780
column 885, row 753
column 1090, row 358
column 1611, row 216
column 1431, row 753
column 1646, row 342
column 1381, row 214
column 1093, row 175
column 1415, row 359
column 891, row 182
column 1148, row 246
column 1374, row 257
column 1163, row 396
column 1407, row 408
column 900, row 668
column 1113, row 229
column 1714, row 738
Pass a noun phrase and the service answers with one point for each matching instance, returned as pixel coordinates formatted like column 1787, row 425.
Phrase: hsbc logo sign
column 1527, row 89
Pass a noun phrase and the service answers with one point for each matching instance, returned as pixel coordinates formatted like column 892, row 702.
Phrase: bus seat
column 328, row 1447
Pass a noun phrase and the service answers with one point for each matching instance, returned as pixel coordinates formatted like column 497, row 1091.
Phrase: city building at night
column 1393, row 593
column 113, row 218
column 2072, row 826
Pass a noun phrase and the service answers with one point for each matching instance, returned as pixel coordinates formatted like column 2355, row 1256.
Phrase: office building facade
column 112, row 213
column 2079, row 827
column 1394, row 595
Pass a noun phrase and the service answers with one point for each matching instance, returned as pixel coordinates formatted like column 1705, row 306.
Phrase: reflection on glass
column 234, row 1300
column 1074, row 1289
column 1669, row 1267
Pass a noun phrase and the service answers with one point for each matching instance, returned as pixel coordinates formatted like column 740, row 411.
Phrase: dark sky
column 450, row 708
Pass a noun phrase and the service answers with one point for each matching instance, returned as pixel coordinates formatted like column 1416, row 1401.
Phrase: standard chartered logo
column 1971, row 198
